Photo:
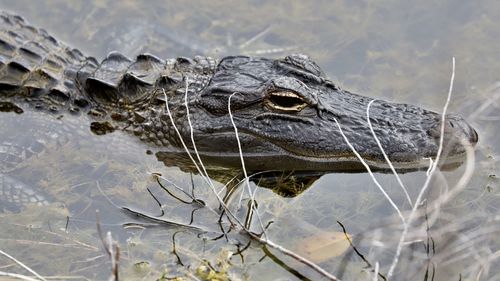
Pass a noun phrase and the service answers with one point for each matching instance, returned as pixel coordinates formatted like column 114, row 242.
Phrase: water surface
column 389, row 50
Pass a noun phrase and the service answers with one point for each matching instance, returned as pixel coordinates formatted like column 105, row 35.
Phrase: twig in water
column 174, row 250
column 67, row 224
column 240, row 250
column 228, row 212
column 104, row 195
column 428, row 179
column 18, row 276
column 191, row 220
column 111, row 248
column 114, row 251
column 356, row 249
column 192, row 133
column 375, row 274
column 385, row 155
column 162, row 221
column 207, row 180
column 297, row 257
column 173, row 195
column 368, row 169
column 157, row 201
column 191, row 196
column 255, row 37
column 158, row 176
column 286, row 267
column 22, row 265
column 352, row 245
column 247, row 181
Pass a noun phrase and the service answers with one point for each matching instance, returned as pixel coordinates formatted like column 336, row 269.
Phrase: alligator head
column 286, row 112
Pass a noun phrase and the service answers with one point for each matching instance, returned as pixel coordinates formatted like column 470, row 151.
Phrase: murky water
column 386, row 49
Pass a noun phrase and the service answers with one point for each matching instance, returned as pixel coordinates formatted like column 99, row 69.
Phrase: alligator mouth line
column 333, row 164
column 335, row 159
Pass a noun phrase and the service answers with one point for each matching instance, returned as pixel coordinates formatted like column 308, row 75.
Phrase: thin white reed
column 428, row 179
column 403, row 187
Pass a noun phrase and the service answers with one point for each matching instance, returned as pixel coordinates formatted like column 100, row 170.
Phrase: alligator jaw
column 351, row 164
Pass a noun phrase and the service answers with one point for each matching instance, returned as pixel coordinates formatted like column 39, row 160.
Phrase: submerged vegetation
column 223, row 235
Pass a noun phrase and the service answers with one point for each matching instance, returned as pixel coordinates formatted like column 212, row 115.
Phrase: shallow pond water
column 387, row 49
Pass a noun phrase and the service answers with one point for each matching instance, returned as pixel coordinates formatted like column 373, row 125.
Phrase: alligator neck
column 41, row 72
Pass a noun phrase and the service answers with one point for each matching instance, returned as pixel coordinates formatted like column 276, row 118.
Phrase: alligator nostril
column 474, row 137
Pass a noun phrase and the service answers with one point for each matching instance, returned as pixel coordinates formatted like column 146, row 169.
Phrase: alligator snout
column 457, row 127
column 458, row 135
column 456, row 130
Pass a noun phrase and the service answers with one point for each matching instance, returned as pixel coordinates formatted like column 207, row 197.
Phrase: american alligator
column 285, row 109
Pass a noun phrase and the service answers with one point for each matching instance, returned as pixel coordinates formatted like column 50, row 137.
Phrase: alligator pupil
column 286, row 101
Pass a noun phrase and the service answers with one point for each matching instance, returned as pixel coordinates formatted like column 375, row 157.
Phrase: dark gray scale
column 19, row 56
column 34, row 67
column 102, row 85
column 141, row 77
column 205, row 65
column 15, row 68
column 119, row 80
column 146, row 69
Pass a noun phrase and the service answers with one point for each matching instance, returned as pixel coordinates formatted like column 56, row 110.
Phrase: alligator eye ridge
column 285, row 101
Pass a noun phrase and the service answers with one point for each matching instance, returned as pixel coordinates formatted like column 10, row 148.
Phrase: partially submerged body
column 286, row 110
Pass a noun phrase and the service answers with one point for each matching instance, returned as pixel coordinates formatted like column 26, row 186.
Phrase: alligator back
column 35, row 66
column 48, row 74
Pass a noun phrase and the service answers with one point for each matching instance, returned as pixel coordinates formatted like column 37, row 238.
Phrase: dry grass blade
column 464, row 179
column 191, row 131
column 207, row 180
column 494, row 95
column 239, row 144
column 231, row 215
column 111, row 248
column 114, row 255
column 22, row 265
column 297, row 257
column 98, row 185
column 256, row 37
column 18, row 276
column 247, row 180
column 369, row 170
column 226, row 208
column 265, row 240
column 375, row 273
column 385, row 155
column 428, row 179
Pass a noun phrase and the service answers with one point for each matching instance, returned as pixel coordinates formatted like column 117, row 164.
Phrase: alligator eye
column 285, row 101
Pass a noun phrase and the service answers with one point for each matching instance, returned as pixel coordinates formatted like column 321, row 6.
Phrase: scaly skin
column 285, row 109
